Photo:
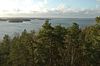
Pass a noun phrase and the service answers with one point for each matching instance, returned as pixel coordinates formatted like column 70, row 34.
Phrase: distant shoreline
column 21, row 19
column 26, row 19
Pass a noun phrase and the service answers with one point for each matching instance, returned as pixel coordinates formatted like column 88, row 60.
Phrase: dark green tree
column 97, row 19
column 5, row 50
column 92, row 45
column 73, row 46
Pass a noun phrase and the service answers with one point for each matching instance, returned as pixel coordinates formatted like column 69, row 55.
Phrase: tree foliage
column 98, row 19
column 53, row 46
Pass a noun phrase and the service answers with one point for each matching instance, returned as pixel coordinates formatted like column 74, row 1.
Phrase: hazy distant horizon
column 48, row 17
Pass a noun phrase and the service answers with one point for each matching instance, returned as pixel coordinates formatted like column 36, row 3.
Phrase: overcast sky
column 50, row 8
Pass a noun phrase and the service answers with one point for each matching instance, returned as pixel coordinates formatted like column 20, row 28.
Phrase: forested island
column 53, row 46
column 21, row 19
column 14, row 19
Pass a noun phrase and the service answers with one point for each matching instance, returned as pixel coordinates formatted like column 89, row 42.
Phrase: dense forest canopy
column 53, row 46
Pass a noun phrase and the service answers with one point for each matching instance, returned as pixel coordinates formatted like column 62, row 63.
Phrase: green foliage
column 53, row 46
column 97, row 19
column 92, row 45
column 5, row 50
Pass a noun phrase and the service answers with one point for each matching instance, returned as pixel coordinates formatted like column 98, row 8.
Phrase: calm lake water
column 13, row 28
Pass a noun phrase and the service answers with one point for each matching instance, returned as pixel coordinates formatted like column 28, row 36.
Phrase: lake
column 14, row 28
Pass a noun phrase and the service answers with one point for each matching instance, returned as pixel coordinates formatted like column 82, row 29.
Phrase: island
column 21, row 19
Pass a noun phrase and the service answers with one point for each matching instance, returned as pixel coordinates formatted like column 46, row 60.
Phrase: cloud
column 98, row 0
column 97, row 3
column 40, row 8
column 60, row 11
column 73, row 12
column 23, row 5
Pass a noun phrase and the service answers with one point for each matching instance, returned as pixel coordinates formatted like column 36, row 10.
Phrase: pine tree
column 5, row 50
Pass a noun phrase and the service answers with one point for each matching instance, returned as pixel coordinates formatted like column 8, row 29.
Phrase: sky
column 50, row 8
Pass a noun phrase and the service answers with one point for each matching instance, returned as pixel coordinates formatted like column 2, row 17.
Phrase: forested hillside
column 53, row 46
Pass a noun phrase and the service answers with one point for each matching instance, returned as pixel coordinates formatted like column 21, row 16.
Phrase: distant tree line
column 53, row 46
